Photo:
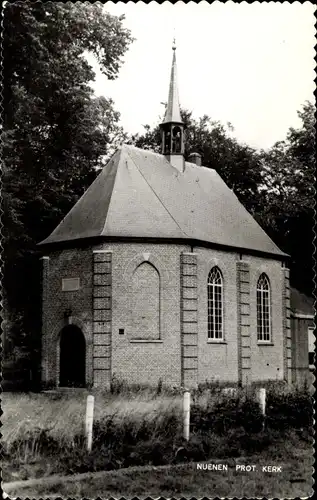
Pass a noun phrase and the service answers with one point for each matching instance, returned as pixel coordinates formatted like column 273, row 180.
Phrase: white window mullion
column 215, row 304
column 262, row 314
column 264, row 309
column 214, row 310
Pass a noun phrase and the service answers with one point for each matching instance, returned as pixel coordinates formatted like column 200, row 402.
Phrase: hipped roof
column 139, row 194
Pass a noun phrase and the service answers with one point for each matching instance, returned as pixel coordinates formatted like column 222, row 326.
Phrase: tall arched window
column 215, row 304
column 146, row 302
column 263, row 305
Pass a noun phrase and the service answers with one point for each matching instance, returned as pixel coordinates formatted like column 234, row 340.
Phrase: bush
column 117, row 385
column 289, row 409
column 33, row 444
column 228, row 412
column 124, row 442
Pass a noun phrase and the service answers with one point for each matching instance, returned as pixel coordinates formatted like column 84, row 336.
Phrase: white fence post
column 89, row 421
column 262, row 401
column 186, row 414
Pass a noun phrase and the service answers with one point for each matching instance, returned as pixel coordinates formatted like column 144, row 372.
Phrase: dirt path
column 177, row 481
column 50, row 480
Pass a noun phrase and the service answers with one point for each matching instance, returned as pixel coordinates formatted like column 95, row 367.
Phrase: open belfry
column 159, row 273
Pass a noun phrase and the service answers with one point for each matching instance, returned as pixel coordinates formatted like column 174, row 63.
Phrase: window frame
column 260, row 336
column 213, row 286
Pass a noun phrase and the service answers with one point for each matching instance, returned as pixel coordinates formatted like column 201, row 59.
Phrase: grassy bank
column 43, row 433
column 51, row 425
column 184, row 480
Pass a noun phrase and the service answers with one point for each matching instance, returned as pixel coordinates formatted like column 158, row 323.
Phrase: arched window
column 146, row 302
column 215, row 304
column 263, row 306
column 177, row 140
column 167, row 142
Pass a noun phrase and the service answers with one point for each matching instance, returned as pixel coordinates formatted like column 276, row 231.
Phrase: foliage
column 228, row 412
column 289, row 409
column 287, row 211
column 285, row 408
column 120, row 386
column 55, row 135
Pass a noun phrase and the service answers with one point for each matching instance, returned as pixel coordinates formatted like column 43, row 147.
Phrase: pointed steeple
column 172, row 127
column 172, row 113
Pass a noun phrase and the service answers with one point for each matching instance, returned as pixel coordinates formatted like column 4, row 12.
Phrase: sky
column 248, row 64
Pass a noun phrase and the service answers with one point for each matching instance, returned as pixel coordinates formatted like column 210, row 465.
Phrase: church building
column 159, row 273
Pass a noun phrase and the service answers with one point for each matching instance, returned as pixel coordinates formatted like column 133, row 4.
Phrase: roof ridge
column 131, row 146
column 190, row 164
column 158, row 196
column 114, row 183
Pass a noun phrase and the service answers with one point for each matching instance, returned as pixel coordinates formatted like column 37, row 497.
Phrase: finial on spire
column 174, row 44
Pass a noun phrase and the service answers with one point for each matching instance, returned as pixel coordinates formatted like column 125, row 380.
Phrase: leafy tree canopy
column 55, row 132
column 288, row 192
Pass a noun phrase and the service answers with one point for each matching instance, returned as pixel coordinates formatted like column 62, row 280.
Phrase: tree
column 56, row 134
column 288, row 189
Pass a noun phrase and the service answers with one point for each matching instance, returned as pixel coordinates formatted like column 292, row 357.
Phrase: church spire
column 172, row 127
column 172, row 113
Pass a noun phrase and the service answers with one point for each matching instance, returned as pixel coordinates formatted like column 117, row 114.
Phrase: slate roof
column 140, row 194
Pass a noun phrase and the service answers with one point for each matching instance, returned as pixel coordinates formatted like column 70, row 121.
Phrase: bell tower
column 172, row 127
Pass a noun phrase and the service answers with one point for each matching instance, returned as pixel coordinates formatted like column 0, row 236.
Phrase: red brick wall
column 267, row 361
column 115, row 345
column 189, row 319
column 217, row 360
column 146, row 307
column 146, row 360
column 102, row 317
column 74, row 263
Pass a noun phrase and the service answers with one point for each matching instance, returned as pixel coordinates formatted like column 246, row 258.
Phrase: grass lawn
column 141, row 433
column 62, row 417
column 63, row 414
column 295, row 480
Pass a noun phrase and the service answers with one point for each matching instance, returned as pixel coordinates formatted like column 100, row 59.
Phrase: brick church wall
column 103, row 307
column 102, row 318
column 243, row 322
column 146, row 360
column 58, row 265
column 217, row 360
column 267, row 360
column 146, row 284
column 189, row 319
column 240, row 358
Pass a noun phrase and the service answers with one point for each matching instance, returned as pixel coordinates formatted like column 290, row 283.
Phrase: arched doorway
column 72, row 357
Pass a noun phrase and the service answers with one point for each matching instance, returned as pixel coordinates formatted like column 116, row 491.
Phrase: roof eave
column 172, row 122
column 91, row 240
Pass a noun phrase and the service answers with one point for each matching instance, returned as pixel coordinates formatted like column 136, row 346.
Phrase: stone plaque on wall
column 70, row 284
